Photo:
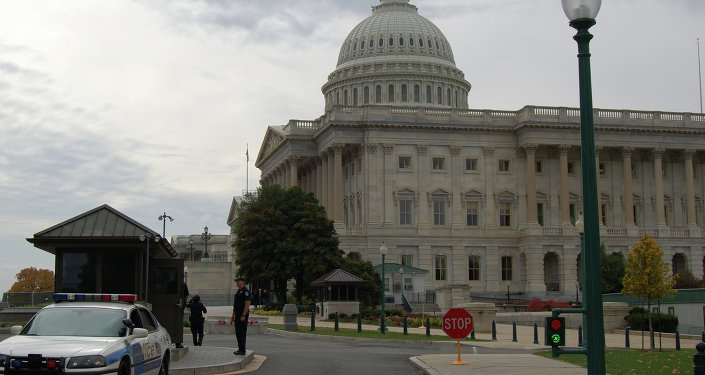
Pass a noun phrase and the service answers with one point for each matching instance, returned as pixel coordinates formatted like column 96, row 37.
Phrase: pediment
column 274, row 137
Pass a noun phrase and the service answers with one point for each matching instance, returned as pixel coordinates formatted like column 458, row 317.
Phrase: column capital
column 294, row 160
column 455, row 150
column 627, row 151
column 388, row 148
column 658, row 152
column 421, row 149
column 688, row 153
column 598, row 149
column 563, row 149
column 488, row 150
column 371, row 148
column 530, row 148
column 337, row 148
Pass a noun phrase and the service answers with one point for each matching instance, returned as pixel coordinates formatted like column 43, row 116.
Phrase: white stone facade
column 484, row 200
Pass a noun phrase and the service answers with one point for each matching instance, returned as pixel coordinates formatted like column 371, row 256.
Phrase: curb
column 421, row 365
column 360, row 340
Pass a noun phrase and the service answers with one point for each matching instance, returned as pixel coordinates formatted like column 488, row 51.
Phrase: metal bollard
column 514, row 331
column 678, row 340
column 359, row 323
column 313, row 320
column 405, row 327
column 699, row 359
column 580, row 336
column 428, row 326
column 336, row 322
column 494, row 331
column 536, row 333
column 626, row 337
column 472, row 334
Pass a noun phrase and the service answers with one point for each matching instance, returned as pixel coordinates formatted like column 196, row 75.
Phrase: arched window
column 378, row 94
column 438, row 47
column 362, row 45
column 337, row 97
column 381, row 42
column 366, row 94
column 417, row 93
column 429, row 99
column 401, row 41
column 391, row 41
column 345, row 97
column 430, row 45
column 420, row 42
column 440, row 95
column 354, row 46
column 355, row 96
column 450, row 102
column 372, row 43
column 390, row 91
column 456, row 98
column 404, row 94
column 411, row 42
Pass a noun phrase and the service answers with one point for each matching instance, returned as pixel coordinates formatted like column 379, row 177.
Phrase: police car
column 88, row 334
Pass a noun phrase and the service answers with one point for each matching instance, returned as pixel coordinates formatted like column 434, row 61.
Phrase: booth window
column 91, row 272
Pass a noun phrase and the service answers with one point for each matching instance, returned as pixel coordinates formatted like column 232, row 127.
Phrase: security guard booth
column 105, row 251
column 337, row 292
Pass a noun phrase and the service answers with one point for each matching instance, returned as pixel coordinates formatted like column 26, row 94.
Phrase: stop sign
column 457, row 323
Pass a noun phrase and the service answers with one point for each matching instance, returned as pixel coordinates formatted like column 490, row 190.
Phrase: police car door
column 152, row 345
column 138, row 345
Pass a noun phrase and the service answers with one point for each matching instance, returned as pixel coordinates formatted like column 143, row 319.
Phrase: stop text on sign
column 457, row 323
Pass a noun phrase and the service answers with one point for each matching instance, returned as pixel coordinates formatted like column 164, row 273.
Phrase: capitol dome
column 396, row 57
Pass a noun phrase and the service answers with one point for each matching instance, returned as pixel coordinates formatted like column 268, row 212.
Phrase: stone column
column 319, row 179
column 531, row 207
column 325, row 183
column 661, row 225
column 456, row 208
column 331, row 183
column 628, row 195
column 565, row 192
column 372, row 198
column 389, row 168
column 490, row 173
column 287, row 174
column 690, row 193
column 534, row 268
column 422, row 217
column 338, row 177
column 294, row 171
column 568, row 261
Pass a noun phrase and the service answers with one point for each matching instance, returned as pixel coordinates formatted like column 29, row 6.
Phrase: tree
column 284, row 234
column 612, row 270
column 647, row 275
column 33, row 280
column 686, row 280
column 369, row 294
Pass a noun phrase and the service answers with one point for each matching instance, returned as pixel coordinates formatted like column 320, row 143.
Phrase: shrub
column 638, row 319
column 537, row 304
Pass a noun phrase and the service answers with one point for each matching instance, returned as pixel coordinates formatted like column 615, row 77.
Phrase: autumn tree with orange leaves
column 647, row 275
column 33, row 279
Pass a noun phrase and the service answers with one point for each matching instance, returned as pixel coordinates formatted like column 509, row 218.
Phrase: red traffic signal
column 555, row 331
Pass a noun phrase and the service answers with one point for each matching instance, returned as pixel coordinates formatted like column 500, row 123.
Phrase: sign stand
column 459, row 361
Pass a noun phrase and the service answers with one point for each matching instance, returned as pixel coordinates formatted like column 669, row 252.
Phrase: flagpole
column 700, row 78
column 247, row 167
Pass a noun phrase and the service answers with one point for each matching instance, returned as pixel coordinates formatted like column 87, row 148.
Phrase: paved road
column 289, row 355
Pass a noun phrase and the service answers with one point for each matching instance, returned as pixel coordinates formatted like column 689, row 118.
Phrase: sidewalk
column 478, row 364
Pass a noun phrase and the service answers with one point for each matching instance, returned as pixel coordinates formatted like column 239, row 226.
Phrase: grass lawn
column 367, row 334
column 636, row 362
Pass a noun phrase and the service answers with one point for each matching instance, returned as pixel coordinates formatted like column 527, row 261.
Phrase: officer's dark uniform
column 241, row 297
column 196, row 319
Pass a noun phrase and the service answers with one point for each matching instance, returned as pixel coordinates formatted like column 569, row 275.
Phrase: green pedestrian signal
column 555, row 331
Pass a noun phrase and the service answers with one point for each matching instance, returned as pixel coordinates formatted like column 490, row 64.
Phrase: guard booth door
column 166, row 294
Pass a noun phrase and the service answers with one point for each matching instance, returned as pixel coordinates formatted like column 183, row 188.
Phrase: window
column 362, row 45
column 421, row 43
column 604, row 214
column 404, row 93
column 428, row 94
column 571, row 167
column 571, row 208
column 345, row 97
column 504, row 165
column 505, row 214
column 634, row 171
column 407, row 260
column 378, row 94
column 411, row 42
column 405, row 212
column 439, row 212
column 401, row 41
column 404, row 162
column 355, row 96
column 603, row 169
column 89, row 272
column 441, row 267
column 472, row 214
column 539, row 167
column 636, row 215
column 471, row 164
column 372, row 43
column 440, row 95
column 381, row 42
column 390, row 92
column 366, row 95
column 665, row 214
column 417, row 93
column 539, row 213
column 448, row 97
column 474, row 267
column 507, row 268
column 438, row 164
column 391, row 41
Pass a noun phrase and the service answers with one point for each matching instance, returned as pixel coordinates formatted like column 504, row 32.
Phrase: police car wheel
column 124, row 368
column 164, row 369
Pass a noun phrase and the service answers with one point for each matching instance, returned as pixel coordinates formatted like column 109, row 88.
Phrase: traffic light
column 555, row 331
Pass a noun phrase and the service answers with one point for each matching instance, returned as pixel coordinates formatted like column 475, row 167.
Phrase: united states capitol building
column 483, row 201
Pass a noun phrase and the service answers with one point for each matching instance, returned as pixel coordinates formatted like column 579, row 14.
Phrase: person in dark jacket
column 196, row 318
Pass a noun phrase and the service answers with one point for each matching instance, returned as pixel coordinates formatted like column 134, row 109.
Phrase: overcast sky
column 148, row 105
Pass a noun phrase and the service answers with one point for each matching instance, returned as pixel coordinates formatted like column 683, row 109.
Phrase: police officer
column 196, row 318
column 241, row 311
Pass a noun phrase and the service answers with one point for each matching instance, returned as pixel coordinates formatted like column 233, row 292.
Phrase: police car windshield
column 77, row 321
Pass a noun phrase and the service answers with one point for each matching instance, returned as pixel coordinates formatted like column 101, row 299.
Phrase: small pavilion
column 337, row 292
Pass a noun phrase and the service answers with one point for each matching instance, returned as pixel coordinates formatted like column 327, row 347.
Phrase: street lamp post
column 581, row 14
column 508, row 299
column 205, row 236
column 383, row 251
column 401, row 275
column 163, row 218
column 146, row 237
column 191, row 248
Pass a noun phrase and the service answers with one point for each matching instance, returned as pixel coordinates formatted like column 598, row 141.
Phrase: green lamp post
column 383, row 251
column 581, row 14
